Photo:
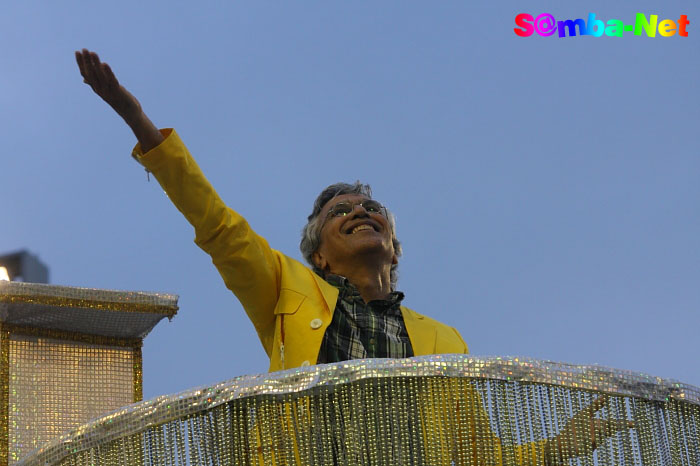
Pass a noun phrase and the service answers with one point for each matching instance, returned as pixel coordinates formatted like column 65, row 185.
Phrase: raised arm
column 247, row 264
column 101, row 79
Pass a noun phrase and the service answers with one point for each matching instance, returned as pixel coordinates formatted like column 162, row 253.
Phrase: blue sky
column 545, row 189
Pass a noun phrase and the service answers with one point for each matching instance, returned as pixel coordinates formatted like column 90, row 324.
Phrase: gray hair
column 311, row 234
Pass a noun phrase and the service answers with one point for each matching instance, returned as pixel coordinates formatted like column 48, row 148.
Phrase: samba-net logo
column 545, row 25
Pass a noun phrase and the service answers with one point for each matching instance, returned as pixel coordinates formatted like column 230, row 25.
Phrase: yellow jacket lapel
column 422, row 335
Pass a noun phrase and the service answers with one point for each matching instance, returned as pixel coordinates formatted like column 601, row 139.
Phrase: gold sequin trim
column 73, row 336
column 138, row 374
column 4, row 394
column 91, row 304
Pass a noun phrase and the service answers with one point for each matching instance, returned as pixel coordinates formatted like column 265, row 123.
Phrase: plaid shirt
column 362, row 330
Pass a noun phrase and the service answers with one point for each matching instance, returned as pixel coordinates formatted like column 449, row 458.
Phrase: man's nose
column 359, row 211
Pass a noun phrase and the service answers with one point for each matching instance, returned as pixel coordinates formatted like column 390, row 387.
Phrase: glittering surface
column 448, row 409
column 68, row 355
column 4, row 393
column 72, row 336
column 137, row 368
column 122, row 314
column 58, row 385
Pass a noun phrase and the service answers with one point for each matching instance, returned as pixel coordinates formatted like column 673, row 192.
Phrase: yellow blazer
column 285, row 300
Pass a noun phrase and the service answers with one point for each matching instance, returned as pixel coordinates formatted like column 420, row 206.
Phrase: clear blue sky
column 546, row 189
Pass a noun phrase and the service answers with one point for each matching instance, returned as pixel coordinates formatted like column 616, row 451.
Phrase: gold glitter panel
column 4, row 393
column 138, row 374
column 435, row 410
column 58, row 385
column 72, row 336
column 68, row 355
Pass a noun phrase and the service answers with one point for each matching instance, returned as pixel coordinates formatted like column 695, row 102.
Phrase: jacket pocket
column 289, row 301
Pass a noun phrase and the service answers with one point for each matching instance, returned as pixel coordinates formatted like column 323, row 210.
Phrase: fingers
column 598, row 403
column 588, row 413
column 612, row 426
column 607, row 428
column 86, row 68
column 596, row 430
column 81, row 64
column 92, row 70
column 584, row 432
column 109, row 78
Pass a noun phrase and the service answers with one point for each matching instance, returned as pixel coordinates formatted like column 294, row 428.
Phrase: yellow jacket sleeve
column 249, row 267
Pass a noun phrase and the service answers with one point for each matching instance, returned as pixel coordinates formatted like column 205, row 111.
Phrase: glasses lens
column 372, row 206
column 340, row 209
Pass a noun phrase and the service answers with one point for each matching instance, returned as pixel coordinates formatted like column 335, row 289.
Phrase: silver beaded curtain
column 433, row 410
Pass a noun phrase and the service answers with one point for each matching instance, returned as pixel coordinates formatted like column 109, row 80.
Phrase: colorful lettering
column 667, row 28
column 615, row 28
column 545, row 25
column 527, row 28
column 642, row 23
column 595, row 27
column 572, row 27
column 682, row 23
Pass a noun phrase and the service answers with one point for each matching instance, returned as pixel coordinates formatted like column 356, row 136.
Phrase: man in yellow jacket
column 345, row 308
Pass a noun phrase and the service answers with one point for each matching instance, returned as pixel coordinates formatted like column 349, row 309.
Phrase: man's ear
column 394, row 259
column 319, row 261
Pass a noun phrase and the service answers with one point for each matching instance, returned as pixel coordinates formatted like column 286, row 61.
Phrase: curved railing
column 446, row 409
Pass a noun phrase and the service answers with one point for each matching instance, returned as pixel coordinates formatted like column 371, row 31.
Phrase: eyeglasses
column 341, row 209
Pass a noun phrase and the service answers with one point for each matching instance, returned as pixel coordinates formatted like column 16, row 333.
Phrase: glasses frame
column 331, row 212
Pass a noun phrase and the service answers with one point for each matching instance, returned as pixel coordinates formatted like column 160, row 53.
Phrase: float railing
column 433, row 410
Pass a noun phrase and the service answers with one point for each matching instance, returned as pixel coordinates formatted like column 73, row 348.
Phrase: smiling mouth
column 362, row 227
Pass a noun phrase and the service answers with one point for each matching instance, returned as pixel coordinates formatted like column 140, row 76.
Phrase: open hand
column 584, row 432
column 101, row 79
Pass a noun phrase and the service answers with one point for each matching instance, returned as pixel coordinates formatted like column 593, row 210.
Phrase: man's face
column 345, row 237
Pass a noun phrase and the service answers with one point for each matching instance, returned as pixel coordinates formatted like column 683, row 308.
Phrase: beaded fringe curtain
column 434, row 410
